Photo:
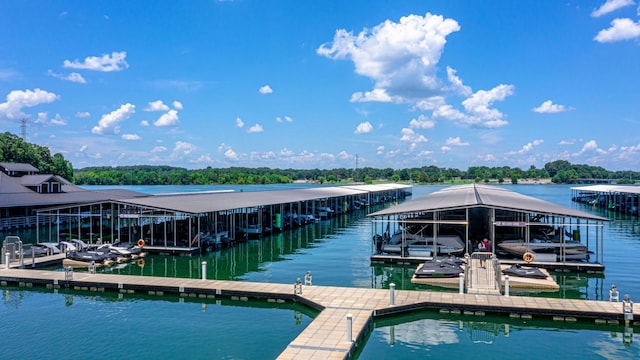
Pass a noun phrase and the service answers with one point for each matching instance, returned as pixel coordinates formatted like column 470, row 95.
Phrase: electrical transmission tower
column 23, row 128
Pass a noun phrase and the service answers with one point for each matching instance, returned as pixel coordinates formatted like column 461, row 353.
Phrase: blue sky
column 325, row 84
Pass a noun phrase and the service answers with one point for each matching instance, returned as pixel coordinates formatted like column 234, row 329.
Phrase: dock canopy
column 473, row 195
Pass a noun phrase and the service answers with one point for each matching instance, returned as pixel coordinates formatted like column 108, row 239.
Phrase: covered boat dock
column 620, row 198
column 191, row 222
column 452, row 221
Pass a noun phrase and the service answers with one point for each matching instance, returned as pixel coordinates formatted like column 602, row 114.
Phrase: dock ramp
column 483, row 274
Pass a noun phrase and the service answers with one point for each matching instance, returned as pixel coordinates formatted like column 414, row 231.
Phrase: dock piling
column 392, row 289
column 349, row 327
column 7, row 259
column 204, row 270
column 461, row 284
column 506, row 285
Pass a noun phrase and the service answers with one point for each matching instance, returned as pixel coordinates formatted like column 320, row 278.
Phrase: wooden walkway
column 326, row 336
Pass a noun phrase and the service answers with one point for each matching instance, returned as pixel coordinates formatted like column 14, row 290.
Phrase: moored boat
column 440, row 267
column 524, row 271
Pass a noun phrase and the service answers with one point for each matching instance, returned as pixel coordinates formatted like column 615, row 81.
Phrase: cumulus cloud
column 83, row 114
column 105, row 63
column 286, row 119
column 455, row 141
column 157, row 105
column 363, row 128
column 177, row 105
column 265, row 90
column 422, row 122
column 456, row 83
column 611, row 6
column 73, row 77
column 257, row 128
column 529, row 146
column 183, row 148
column 108, row 123
column 478, row 105
column 159, row 149
column 548, row 107
column 621, row 29
column 380, row 150
column 590, row 146
column 400, row 57
column 411, row 137
column 379, row 95
column 170, row 118
column 131, row 137
column 144, row 123
column 230, row 154
column 239, row 123
column 18, row 99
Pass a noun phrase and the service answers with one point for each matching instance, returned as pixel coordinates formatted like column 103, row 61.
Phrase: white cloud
column 363, row 128
column 230, row 154
column 478, row 106
column 144, row 123
column 83, row 114
column 108, row 123
column 239, row 123
column 529, row 146
column 548, row 107
column 265, row 90
column 183, row 148
column 157, row 105
column 343, row 155
column 18, row 99
column 131, row 137
column 590, row 146
column 445, row 148
column 286, row 118
column 610, row 6
column 379, row 95
column 400, row 57
column 380, row 150
column 114, row 62
column 567, row 142
column 159, row 149
column 422, row 122
column 177, row 105
column 170, row 118
column 621, row 29
column 455, row 141
column 456, row 83
column 257, row 128
column 58, row 121
column 73, row 77
column 411, row 137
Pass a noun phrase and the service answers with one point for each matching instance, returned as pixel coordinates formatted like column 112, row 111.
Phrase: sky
column 324, row 84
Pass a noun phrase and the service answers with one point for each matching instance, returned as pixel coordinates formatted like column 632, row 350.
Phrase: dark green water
column 337, row 252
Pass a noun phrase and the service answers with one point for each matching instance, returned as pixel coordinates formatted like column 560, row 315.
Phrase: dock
column 341, row 308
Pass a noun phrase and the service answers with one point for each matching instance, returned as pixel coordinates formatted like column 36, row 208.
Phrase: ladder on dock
column 482, row 274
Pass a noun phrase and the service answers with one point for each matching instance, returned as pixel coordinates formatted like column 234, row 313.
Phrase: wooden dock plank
column 326, row 336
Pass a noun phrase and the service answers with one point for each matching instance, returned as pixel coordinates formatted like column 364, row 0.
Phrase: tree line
column 15, row 149
column 559, row 171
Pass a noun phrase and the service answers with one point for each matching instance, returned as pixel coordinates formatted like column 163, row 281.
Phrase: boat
column 440, row 267
column 570, row 249
column 418, row 245
column 87, row 256
column 524, row 271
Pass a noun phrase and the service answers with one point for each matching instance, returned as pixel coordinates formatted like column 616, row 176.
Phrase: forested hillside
column 14, row 149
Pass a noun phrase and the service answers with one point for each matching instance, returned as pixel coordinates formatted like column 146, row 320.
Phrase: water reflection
column 439, row 336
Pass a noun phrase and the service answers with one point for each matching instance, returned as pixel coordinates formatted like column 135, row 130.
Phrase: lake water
column 337, row 252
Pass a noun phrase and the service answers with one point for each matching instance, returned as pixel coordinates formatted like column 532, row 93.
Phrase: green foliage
column 14, row 149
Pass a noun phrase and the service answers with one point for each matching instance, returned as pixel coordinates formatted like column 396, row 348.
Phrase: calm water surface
column 337, row 252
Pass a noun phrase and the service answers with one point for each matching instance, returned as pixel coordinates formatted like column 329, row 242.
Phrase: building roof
column 35, row 180
column 211, row 202
column 13, row 193
column 473, row 195
column 621, row 189
column 19, row 167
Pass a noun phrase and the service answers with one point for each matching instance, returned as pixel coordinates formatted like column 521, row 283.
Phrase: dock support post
column 7, row 260
column 392, row 295
column 461, row 285
column 627, row 309
column 204, row 270
column 349, row 327
column 506, row 285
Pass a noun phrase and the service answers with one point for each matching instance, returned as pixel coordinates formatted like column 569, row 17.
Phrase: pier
column 346, row 314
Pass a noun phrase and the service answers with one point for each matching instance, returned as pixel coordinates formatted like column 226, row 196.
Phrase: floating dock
column 346, row 314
